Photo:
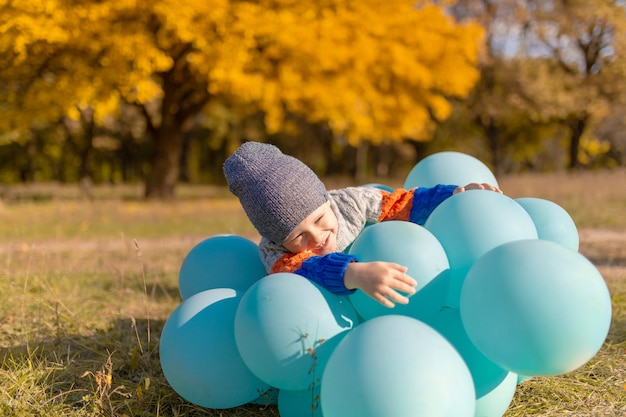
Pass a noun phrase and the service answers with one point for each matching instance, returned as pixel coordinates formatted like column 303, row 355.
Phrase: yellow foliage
column 371, row 69
column 591, row 147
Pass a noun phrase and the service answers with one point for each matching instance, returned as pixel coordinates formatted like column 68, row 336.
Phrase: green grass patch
column 88, row 283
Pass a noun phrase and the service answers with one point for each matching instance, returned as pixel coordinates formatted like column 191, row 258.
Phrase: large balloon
column 494, row 385
column 486, row 374
column 222, row 261
column 471, row 223
column 552, row 221
column 535, row 307
column 410, row 245
column 396, row 366
column 198, row 354
column 286, row 327
column 454, row 168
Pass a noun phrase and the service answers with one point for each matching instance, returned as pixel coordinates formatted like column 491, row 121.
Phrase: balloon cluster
column 503, row 295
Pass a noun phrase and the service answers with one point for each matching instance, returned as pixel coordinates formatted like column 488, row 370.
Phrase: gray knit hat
column 277, row 191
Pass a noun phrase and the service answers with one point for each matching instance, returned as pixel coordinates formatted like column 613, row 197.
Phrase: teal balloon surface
column 396, row 366
column 552, row 221
column 471, row 223
column 286, row 326
column 199, row 356
column 303, row 403
column 454, row 168
column 379, row 186
column 222, row 261
column 535, row 307
column 269, row 397
column 410, row 245
column 485, row 373
column 497, row 401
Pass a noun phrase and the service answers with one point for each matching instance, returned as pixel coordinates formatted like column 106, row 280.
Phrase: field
column 88, row 282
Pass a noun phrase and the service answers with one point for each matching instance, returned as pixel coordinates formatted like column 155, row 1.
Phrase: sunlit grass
column 88, row 284
column 593, row 199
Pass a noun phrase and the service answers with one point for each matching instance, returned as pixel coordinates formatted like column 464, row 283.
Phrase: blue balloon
column 471, row 223
column 199, row 356
column 535, row 307
column 286, row 326
column 269, row 397
column 303, row 403
column 380, row 187
column 485, row 374
column 222, row 261
column 454, row 168
column 497, row 401
column 552, row 221
column 396, row 366
column 410, row 245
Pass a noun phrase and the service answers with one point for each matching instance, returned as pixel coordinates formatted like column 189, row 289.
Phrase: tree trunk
column 420, row 148
column 577, row 127
column 492, row 133
column 184, row 96
column 164, row 173
column 84, row 154
column 361, row 164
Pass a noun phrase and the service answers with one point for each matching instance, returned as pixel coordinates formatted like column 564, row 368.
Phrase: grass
column 87, row 285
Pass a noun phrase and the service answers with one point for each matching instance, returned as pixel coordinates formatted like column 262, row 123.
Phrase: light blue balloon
column 471, row 223
column 552, row 221
column 410, row 245
column 494, row 386
column 269, row 397
column 485, row 374
column 380, row 187
column 535, row 307
column 198, row 354
column 497, row 401
column 303, row 403
column 285, row 329
column 222, row 261
column 454, row 168
column 396, row 366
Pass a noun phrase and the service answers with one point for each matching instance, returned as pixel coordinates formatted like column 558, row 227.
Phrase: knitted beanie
column 277, row 191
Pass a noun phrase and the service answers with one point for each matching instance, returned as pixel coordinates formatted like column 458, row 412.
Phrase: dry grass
column 88, row 284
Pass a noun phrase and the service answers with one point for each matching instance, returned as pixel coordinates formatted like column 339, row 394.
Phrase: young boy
column 305, row 228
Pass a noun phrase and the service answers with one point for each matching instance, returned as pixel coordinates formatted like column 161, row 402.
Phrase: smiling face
column 317, row 233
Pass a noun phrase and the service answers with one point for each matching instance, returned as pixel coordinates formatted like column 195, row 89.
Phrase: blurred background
column 159, row 93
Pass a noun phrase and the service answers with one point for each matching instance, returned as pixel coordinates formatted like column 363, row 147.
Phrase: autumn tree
column 371, row 70
column 586, row 38
column 553, row 63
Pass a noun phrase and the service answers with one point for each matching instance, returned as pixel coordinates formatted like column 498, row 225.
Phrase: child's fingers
column 403, row 277
column 477, row 186
column 386, row 301
column 394, row 297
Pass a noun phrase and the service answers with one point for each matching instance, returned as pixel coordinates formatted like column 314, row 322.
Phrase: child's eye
column 319, row 218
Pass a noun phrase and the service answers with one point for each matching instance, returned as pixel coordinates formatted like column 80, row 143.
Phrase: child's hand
column 381, row 281
column 477, row 186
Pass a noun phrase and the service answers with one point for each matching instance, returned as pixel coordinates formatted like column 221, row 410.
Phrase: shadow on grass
column 112, row 372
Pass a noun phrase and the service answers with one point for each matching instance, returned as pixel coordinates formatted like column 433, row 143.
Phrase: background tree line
column 161, row 92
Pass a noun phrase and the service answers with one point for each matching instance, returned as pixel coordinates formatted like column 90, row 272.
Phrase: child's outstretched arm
column 415, row 205
column 342, row 274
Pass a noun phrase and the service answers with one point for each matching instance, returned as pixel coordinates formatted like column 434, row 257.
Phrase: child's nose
column 316, row 240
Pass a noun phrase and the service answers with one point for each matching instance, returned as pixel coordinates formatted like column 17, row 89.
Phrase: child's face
column 317, row 233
